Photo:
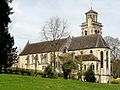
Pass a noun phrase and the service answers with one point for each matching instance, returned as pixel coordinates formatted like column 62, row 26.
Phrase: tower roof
column 91, row 11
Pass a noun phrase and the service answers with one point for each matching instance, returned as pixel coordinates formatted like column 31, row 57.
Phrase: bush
column 89, row 75
column 60, row 75
column 48, row 73
column 115, row 81
column 72, row 76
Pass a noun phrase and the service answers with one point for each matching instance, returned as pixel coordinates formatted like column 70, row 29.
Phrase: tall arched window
column 85, row 32
column 107, row 59
column 92, row 66
column 84, row 67
column 101, row 58
column 97, row 66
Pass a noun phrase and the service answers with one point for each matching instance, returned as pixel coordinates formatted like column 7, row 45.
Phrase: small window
column 64, row 50
column 98, row 31
column 91, row 51
column 81, row 52
column 95, row 31
column 85, row 32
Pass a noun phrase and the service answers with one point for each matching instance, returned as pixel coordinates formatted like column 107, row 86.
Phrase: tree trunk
column 0, row 68
column 54, row 63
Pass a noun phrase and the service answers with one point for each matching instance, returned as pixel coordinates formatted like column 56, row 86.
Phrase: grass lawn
column 18, row 82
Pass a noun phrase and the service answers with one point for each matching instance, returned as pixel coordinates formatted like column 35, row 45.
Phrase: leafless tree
column 54, row 30
column 114, row 45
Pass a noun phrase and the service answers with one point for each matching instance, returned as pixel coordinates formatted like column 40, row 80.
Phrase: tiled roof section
column 88, row 41
column 87, row 57
column 77, row 43
column 42, row 47
column 91, row 11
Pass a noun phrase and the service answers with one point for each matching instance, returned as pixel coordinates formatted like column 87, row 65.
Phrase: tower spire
column 91, row 4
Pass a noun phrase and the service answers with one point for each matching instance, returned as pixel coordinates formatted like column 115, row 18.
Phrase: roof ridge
column 97, row 42
column 46, row 41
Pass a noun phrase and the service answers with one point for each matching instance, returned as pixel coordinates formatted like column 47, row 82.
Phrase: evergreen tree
column 7, row 51
column 89, row 75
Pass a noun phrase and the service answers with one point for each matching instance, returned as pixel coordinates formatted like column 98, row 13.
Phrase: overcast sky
column 31, row 15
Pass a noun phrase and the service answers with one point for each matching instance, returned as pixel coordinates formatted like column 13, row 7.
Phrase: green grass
column 18, row 82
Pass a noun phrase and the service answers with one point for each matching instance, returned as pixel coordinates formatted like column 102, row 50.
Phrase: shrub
column 48, row 73
column 73, row 76
column 67, row 67
column 89, row 75
column 115, row 81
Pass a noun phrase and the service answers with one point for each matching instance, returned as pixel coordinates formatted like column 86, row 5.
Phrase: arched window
column 107, row 59
column 101, row 58
column 33, row 59
column 92, row 66
column 98, row 31
column 85, row 32
column 97, row 66
column 91, row 51
column 64, row 50
column 95, row 31
column 84, row 67
column 27, row 60
column 81, row 52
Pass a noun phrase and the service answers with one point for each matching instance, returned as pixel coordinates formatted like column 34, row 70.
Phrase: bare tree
column 114, row 45
column 54, row 30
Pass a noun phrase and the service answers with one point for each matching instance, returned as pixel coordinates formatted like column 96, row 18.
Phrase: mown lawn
column 18, row 82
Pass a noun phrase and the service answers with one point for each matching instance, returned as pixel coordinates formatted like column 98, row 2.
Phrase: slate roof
column 87, row 57
column 77, row 43
column 88, row 41
column 42, row 47
column 78, row 58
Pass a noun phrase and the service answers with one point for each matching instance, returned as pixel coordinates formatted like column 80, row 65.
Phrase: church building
column 90, row 47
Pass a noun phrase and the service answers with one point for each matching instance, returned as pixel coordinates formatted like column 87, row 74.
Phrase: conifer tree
column 7, row 51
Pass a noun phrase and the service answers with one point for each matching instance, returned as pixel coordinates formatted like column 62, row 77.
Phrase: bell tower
column 91, row 25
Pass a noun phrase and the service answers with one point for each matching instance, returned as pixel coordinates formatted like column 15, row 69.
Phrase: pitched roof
column 77, row 43
column 87, row 57
column 42, row 47
column 91, row 11
column 88, row 41
column 78, row 58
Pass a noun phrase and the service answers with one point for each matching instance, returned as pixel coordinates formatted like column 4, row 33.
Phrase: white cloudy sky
column 31, row 15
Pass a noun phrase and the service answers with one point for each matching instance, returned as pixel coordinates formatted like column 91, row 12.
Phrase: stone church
column 91, row 48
